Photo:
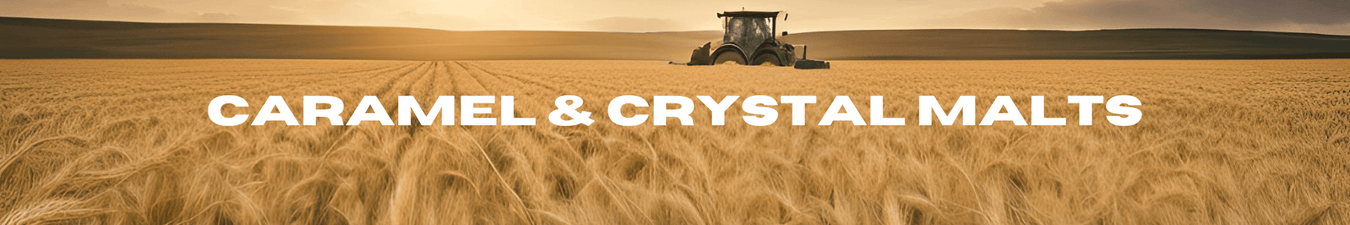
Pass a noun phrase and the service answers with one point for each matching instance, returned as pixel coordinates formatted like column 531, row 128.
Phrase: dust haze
column 1311, row 16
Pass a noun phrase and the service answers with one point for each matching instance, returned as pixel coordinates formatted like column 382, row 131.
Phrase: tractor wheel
column 771, row 59
column 729, row 56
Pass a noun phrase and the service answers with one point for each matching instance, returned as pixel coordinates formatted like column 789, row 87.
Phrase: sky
column 1312, row 16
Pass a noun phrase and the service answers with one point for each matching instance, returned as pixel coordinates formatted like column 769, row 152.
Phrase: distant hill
column 51, row 38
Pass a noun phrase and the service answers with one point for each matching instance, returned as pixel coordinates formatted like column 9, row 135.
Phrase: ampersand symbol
column 569, row 109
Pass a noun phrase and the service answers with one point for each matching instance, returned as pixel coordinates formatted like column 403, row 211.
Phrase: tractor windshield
column 748, row 32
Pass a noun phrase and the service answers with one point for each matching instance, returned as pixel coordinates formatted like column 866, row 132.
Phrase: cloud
column 102, row 10
column 630, row 24
column 1325, row 15
column 220, row 17
column 81, row 9
column 438, row 21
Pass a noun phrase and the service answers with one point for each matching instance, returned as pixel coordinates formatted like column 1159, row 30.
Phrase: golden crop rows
column 129, row 142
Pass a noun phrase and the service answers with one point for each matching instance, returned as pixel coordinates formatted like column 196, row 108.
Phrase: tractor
column 749, row 39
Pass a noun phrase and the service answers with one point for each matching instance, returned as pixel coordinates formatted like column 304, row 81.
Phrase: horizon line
column 645, row 32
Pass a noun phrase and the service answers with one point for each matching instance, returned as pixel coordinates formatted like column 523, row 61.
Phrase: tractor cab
column 748, row 38
column 750, row 29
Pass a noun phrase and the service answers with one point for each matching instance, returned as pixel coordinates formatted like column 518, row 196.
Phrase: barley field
column 1220, row 142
